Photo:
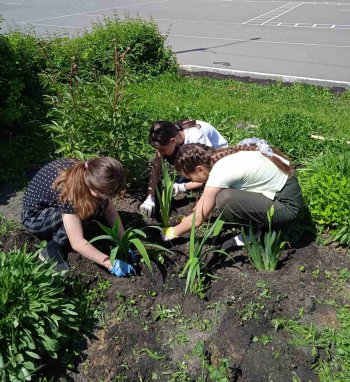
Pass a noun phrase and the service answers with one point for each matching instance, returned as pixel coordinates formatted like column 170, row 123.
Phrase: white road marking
column 61, row 26
column 259, row 41
column 288, row 10
column 270, row 24
column 264, row 14
column 96, row 10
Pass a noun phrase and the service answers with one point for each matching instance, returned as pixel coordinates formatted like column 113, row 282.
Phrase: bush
column 24, row 57
column 20, row 88
column 36, row 317
column 325, row 184
column 94, row 51
column 95, row 119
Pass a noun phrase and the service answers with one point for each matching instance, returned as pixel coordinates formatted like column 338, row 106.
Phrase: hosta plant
column 132, row 238
column 195, row 268
column 166, row 194
column 264, row 256
column 37, row 319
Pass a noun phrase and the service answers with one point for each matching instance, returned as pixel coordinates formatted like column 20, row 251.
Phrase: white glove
column 148, row 206
column 178, row 188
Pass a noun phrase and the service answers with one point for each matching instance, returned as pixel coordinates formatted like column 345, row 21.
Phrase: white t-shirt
column 205, row 134
column 248, row 171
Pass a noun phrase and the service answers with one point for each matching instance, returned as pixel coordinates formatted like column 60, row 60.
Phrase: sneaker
column 54, row 252
column 234, row 242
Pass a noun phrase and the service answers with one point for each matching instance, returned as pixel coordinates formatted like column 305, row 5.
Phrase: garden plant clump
column 192, row 312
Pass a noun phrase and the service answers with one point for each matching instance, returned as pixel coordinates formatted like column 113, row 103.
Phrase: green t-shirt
column 248, row 171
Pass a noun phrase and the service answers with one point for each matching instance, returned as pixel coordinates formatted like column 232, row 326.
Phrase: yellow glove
column 168, row 233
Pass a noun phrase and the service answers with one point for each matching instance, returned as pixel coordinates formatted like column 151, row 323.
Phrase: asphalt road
column 277, row 39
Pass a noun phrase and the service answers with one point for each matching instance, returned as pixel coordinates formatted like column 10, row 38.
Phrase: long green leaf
column 143, row 252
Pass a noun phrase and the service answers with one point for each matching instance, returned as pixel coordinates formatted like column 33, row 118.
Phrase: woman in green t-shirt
column 243, row 181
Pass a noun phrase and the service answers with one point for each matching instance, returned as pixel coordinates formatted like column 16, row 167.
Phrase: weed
column 334, row 342
column 219, row 373
column 250, row 311
column 125, row 307
column 164, row 313
column 152, row 354
column 264, row 339
column 315, row 273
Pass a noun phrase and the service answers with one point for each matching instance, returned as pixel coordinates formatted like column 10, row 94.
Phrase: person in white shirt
column 243, row 181
column 166, row 137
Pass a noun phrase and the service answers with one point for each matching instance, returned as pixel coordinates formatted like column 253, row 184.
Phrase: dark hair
column 162, row 131
column 103, row 175
column 196, row 154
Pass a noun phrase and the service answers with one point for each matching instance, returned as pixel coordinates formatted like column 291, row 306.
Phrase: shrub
column 20, row 88
column 36, row 317
column 95, row 119
column 94, row 51
column 325, row 184
column 328, row 198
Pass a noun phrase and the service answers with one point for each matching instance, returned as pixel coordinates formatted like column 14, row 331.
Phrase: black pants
column 243, row 207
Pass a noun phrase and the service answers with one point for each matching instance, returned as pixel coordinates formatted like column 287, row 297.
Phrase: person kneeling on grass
column 242, row 181
column 63, row 197
column 166, row 137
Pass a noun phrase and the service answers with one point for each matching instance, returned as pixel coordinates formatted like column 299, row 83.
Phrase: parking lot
column 308, row 40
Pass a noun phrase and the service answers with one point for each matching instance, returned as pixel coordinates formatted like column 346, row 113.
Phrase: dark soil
column 150, row 328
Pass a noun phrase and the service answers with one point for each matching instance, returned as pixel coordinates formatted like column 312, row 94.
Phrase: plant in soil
column 264, row 256
column 131, row 238
column 195, row 268
column 37, row 319
column 166, row 194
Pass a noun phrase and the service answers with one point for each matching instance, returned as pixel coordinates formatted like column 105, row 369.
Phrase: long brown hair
column 196, row 154
column 162, row 131
column 103, row 175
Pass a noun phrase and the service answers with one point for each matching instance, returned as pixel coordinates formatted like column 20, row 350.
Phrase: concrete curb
column 266, row 76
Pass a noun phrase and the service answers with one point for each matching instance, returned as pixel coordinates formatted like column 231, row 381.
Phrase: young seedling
column 264, row 256
column 194, row 266
column 131, row 238
column 165, row 196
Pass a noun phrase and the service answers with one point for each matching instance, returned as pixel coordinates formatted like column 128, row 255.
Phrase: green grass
column 226, row 103
column 332, row 343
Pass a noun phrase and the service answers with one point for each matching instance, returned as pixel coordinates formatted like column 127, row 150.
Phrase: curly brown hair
column 103, row 175
column 196, row 154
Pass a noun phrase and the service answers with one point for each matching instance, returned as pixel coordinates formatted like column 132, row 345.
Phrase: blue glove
column 121, row 268
column 133, row 257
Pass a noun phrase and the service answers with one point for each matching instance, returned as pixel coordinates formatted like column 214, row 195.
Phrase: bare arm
column 155, row 174
column 192, row 185
column 74, row 229
column 112, row 215
column 205, row 205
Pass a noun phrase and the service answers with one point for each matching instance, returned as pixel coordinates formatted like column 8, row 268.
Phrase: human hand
column 168, row 233
column 148, row 206
column 122, row 269
column 133, row 257
column 179, row 188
